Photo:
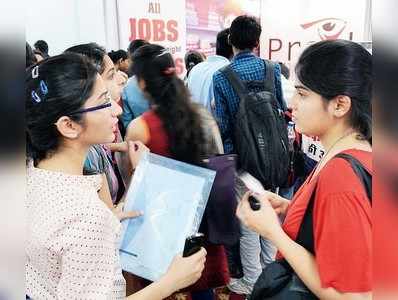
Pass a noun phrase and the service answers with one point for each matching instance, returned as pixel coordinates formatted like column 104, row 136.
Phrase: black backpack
column 260, row 138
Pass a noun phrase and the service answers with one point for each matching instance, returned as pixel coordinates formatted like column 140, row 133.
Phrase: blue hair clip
column 43, row 87
column 36, row 97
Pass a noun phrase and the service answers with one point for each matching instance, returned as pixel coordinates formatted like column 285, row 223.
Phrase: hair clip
column 169, row 71
column 164, row 51
column 43, row 87
column 35, row 97
column 35, row 72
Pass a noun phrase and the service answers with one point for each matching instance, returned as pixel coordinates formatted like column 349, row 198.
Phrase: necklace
column 330, row 148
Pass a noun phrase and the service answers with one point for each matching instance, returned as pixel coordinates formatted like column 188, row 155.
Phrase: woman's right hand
column 185, row 271
column 278, row 203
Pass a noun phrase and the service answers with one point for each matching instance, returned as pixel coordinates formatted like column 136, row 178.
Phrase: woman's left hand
column 264, row 221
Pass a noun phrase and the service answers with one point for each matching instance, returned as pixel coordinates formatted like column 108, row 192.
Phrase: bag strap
column 360, row 171
column 269, row 83
column 269, row 78
column 235, row 81
column 305, row 236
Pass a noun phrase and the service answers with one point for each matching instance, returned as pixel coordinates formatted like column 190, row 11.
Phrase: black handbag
column 220, row 224
column 278, row 281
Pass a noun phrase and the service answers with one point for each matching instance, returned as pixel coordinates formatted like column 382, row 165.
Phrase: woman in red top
column 172, row 126
column 333, row 101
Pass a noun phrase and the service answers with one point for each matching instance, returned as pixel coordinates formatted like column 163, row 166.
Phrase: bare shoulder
column 138, row 131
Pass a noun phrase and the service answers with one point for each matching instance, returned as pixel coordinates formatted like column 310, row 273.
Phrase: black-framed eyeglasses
column 94, row 108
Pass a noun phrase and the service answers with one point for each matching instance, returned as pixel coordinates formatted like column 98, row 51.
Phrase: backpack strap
column 235, row 81
column 305, row 236
column 269, row 83
column 239, row 86
column 269, row 78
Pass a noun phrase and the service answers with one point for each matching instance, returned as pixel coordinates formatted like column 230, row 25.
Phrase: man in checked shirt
column 244, row 37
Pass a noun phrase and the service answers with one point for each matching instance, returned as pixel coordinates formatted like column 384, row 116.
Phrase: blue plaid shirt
column 248, row 67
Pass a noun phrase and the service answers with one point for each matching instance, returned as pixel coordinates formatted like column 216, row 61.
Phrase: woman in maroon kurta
column 333, row 101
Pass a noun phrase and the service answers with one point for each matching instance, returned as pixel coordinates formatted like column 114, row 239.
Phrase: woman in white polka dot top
column 72, row 236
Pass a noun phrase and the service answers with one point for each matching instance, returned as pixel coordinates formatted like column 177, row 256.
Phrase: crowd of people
column 92, row 114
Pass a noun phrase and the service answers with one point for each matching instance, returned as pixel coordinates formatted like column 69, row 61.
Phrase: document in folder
column 173, row 196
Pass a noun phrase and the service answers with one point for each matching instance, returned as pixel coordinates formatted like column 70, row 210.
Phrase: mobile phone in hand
column 193, row 244
column 254, row 203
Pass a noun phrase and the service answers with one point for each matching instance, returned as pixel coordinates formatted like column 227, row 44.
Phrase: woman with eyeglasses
column 72, row 237
column 100, row 158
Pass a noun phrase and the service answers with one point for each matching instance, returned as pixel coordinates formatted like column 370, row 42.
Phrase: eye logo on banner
column 328, row 28
column 306, row 22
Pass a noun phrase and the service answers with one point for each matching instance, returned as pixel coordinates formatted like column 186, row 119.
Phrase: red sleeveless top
column 158, row 140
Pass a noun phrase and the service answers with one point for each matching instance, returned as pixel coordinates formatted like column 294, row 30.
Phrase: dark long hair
column 172, row 102
column 55, row 87
column 340, row 67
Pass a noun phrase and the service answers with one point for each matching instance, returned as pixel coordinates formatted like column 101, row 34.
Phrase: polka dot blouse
column 72, row 239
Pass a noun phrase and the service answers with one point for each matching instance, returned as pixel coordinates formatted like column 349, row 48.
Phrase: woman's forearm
column 152, row 292
column 156, row 291
column 117, row 147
